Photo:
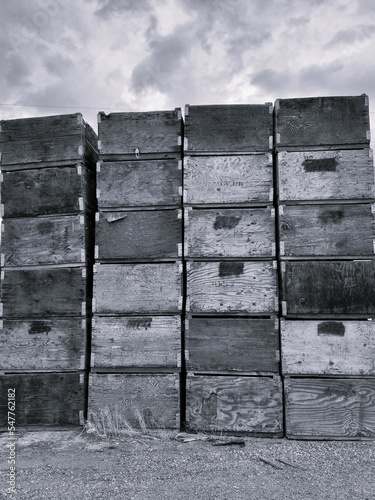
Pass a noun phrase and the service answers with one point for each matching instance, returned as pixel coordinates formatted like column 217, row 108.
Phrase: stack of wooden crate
column 231, row 328
column 326, row 229
column 48, row 205
column 136, row 343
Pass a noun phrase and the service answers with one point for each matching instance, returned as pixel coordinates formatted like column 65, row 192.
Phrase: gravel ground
column 69, row 465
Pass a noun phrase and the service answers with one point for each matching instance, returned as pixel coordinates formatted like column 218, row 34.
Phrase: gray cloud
column 107, row 8
column 271, row 80
column 352, row 36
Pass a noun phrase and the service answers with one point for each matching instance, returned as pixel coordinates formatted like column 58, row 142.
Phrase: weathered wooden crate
column 224, row 232
column 339, row 287
column 137, row 288
column 330, row 347
column 232, row 345
column 49, row 240
column 43, row 399
column 140, row 135
column 45, row 292
column 330, row 408
column 47, row 141
column 326, row 175
column 228, row 128
column 228, row 180
column 226, row 287
column 327, row 230
column 149, row 183
column 139, row 235
column 136, row 399
column 56, row 344
column 136, row 342
column 322, row 121
column 237, row 404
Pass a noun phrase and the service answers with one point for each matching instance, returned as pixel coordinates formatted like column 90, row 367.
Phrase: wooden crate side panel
column 326, row 175
column 324, row 230
column 240, row 404
column 228, row 179
column 44, row 399
column 139, row 235
column 328, row 347
column 232, row 287
column 153, row 398
column 329, row 287
column 139, row 183
column 322, row 121
column 48, row 344
column 136, row 342
column 137, row 288
column 228, row 128
column 230, row 233
column 228, row 344
column 330, row 407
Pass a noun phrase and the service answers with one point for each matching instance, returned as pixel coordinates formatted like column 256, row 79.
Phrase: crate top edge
column 319, row 98
column 124, row 114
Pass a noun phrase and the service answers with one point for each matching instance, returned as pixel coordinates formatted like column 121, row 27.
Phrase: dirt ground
column 72, row 465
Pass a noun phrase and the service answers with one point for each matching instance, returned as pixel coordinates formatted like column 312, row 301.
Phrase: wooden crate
column 44, row 399
column 57, row 344
column 56, row 190
column 140, row 235
column 152, row 399
column 45, row 292
column 139, row 183
column 137, row 288
column 329, row 288
column 326, row 175
column 224, row 232
column 228, row 180
column 47, row 141
column 328, row 347
column 49, row 240
column 135, row 134
column 237, row 404
column 136, row 342
column 228, row 128
column 322, row 121
column 327, row 230
column 330, row 408
column 232, row 344
column 225, row 287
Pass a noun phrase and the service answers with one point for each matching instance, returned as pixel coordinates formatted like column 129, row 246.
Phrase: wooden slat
column 151, row 400
column 330, row 407
column 240, row 404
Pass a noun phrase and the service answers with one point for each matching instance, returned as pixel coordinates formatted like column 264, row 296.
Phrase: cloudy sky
column 65, row 56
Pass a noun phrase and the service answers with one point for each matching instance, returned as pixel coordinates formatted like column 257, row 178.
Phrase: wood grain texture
column 322, row 121
column 48, row 344
column 228, row 128
column 139, row 183
column 56, row 190
column 329, row 287
column 239, row 404
column 327, row 230
column 48, row 399
column 232, row 287
column 43, row 293
column 229, row 344
column 138, row 235
column 328, row 347
column 137, row 288
column 152, row 398
column 136, row 342
column 326, row 175
column 330, row 407
column 49, row 240
column 230, row 233
column 228, row 179
column 149, row 132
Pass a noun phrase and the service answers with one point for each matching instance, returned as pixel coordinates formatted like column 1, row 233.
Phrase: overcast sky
column 66, row 56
